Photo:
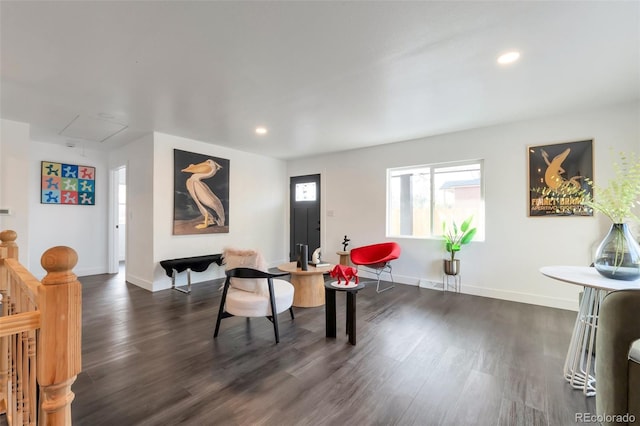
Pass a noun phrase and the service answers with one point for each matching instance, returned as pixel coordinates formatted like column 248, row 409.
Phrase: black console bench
column 195, row 263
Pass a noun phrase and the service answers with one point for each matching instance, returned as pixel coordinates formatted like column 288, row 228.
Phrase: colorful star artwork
column 67, row 184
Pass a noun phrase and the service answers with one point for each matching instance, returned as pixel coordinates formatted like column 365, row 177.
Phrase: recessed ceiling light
column 509, row 57
column 261, row 130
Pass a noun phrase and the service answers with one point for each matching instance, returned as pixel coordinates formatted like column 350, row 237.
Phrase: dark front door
column 305, row 213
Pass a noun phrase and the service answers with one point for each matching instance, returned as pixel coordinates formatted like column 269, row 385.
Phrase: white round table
column 579, row 368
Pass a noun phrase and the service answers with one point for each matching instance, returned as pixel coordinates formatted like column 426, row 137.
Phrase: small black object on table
column 330, row 309
column 195, row 263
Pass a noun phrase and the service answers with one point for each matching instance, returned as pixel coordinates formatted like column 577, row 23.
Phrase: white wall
column 79, row 227
column 257, row 202
column 506, row 264
column 353, row 190
column 41, row 226
column 258, row 199
column 14, row 176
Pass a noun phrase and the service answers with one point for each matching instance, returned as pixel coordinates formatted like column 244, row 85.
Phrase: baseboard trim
column 137, row 281
column 532, row 299
column 494, row 293
column 89, row 271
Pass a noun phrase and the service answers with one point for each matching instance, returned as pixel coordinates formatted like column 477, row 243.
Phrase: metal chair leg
column 378, row 272
column 384, row 289
column 393, row 284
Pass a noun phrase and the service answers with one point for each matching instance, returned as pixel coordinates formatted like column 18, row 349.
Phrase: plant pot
column 618, row 255
column 452, row 267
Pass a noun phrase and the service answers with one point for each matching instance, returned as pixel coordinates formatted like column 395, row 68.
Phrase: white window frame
column 435, row 229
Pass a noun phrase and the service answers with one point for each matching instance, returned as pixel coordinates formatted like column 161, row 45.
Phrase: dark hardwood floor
column 423, row 358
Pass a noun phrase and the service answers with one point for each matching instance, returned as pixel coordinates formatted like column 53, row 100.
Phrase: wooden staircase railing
column 40, row 336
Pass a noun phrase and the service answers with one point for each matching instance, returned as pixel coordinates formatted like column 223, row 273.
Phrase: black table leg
column 348, row 317
column 351, row 316
column 330, row 311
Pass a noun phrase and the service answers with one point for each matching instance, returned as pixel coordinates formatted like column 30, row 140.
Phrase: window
column 306, row 191
column 421, row 198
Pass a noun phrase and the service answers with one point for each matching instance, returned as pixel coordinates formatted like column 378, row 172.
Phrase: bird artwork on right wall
column 201, row 194
column 558, row 175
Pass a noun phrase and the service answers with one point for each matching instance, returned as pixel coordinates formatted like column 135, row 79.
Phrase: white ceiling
column 321, row 76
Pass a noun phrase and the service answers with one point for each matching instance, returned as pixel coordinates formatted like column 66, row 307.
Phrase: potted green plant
column 454, row 238
column 618, row 255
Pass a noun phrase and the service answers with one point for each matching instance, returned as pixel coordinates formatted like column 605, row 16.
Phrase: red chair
column 376, row 257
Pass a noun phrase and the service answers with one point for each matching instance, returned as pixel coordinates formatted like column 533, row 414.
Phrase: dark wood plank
column 422, row 357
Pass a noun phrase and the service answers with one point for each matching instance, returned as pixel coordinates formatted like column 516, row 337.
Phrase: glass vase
column 618, row 255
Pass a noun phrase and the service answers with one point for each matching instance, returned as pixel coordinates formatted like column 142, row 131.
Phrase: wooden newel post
column 8, row 239
column 60, row 349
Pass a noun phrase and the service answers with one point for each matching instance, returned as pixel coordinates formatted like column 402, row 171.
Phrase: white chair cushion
column 634, row 352
column 234, row 258
column 246, row 304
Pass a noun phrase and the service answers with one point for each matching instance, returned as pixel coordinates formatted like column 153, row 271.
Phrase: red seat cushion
column 375, row 255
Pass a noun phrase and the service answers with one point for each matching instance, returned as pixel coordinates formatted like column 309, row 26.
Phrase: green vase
column 618, row 255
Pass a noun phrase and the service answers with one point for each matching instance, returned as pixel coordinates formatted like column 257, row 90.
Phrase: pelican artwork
column 208, row 203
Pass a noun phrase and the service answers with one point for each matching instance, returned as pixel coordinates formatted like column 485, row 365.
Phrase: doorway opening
column 304, row 213
column 118, row 221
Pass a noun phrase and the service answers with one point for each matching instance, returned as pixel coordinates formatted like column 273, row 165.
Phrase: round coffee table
column 308, row 285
